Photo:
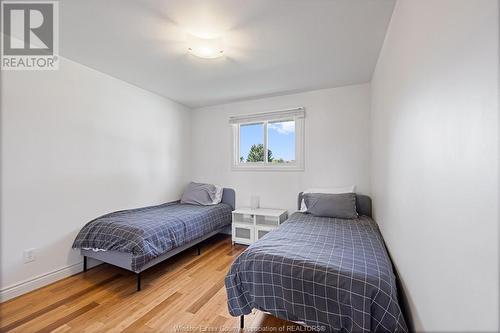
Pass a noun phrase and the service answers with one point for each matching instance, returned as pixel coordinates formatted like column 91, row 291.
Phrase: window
column 281, row 141
column 269, row 141
column 252, row 143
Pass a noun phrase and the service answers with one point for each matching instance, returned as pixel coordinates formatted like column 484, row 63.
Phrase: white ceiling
column 273, row 46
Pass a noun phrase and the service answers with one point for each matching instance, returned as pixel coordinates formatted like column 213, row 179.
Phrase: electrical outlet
column 29, row 255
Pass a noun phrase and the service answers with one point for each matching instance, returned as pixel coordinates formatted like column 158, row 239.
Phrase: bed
column 330, row 274
column 137, row 239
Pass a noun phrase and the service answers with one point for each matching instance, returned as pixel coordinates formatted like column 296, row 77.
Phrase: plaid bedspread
column 151, row 231
column 332, row 274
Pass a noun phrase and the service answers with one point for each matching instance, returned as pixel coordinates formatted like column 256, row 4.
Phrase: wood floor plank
column 218, row 321
column 21, row 306
column 211, row 309
column 65, row 310
column 205, row 297
column 107, row 298
column 57, row 304
column 93, row 327
column 62, row 329
column 68, row 318
column 218, row 264
column 206, row 255
column 136, row 325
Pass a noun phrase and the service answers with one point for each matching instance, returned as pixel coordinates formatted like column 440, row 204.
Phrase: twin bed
column 331, row 274
column 137, row 239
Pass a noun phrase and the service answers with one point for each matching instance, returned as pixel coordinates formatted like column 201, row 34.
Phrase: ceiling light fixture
column 206, row 48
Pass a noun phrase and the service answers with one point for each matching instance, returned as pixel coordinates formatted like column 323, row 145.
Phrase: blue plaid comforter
column 149, row 232
column 334, row 275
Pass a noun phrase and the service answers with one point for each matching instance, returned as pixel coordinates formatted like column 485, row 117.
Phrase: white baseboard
column 38, row 281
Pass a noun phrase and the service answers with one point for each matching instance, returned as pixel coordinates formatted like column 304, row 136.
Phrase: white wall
column 77, row 144
column 434, row 159
column 336, row 146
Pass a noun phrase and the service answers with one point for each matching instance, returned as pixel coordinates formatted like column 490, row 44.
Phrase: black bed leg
column 198, row 248
column 139, row 281
column 84, row 263
column 242, row 322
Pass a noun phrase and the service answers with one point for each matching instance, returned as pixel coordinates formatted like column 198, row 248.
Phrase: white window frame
column 295, row 114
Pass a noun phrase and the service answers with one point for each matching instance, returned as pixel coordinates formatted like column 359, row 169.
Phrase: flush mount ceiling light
column 206, row 48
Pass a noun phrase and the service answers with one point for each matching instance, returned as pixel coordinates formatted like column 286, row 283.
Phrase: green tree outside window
column 256, row 154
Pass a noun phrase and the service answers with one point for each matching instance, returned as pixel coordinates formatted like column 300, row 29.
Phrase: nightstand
column 250, row 225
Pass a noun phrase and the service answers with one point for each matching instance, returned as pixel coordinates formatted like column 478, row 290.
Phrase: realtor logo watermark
column 30, row 35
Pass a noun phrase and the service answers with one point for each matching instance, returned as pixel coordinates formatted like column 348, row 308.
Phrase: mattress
column 332, row 274
column 149, row 232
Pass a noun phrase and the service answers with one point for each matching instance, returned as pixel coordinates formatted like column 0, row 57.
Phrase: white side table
column 249, row 225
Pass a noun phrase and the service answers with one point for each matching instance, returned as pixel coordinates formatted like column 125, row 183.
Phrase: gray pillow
column 199, row 194
column 342, row 206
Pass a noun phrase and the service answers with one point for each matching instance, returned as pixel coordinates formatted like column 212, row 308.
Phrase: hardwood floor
column 183, row 294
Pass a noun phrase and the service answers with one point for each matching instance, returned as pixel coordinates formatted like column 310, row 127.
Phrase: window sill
column 267, row 168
